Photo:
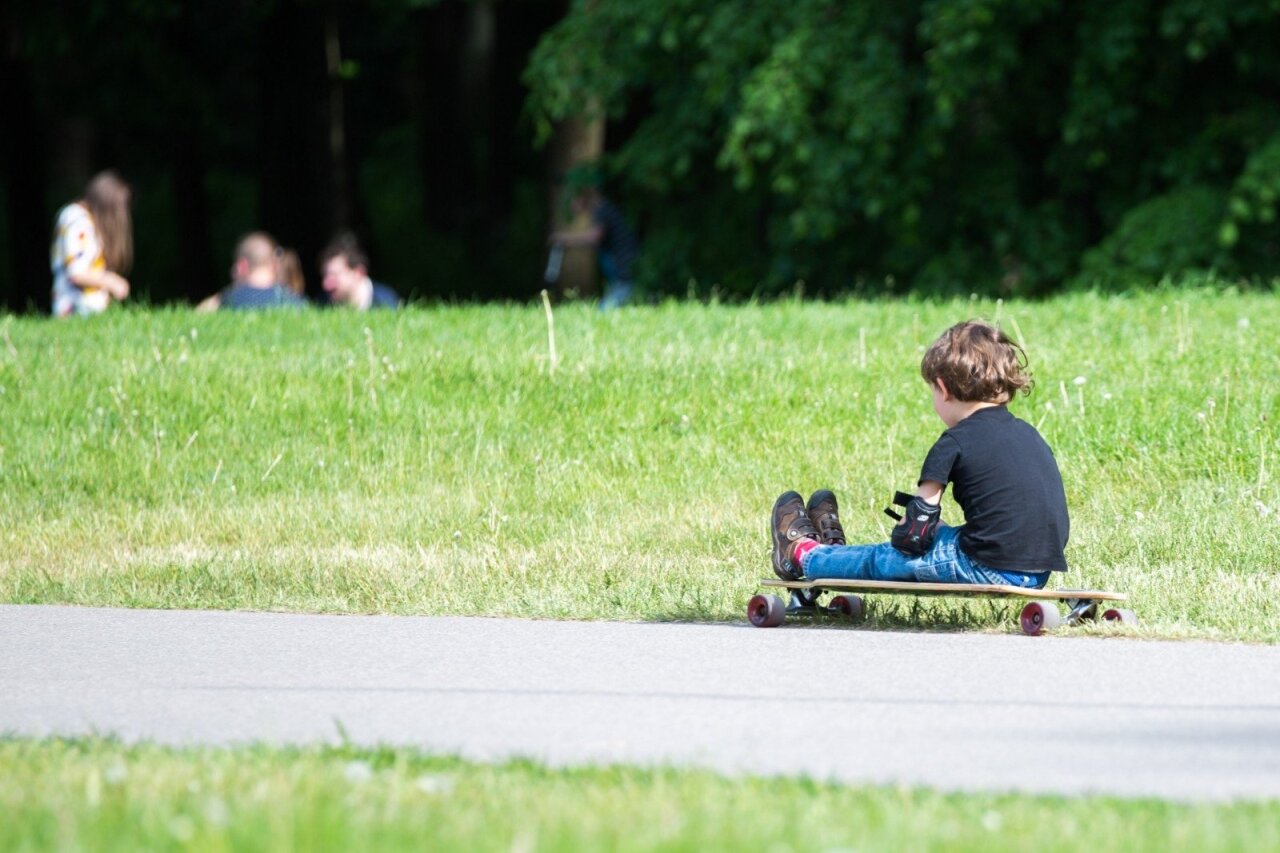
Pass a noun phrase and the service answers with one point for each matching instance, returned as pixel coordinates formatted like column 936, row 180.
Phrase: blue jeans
column 617, row 290
column 616, row 294
column 945, row 563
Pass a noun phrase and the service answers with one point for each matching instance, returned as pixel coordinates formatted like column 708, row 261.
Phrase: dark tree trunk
column 197, row 273
column 444, row 150
column 292, row 203
column 340, row 211
column 475, row 95
column 22, row 158
column 577, row 141
column 197, row 268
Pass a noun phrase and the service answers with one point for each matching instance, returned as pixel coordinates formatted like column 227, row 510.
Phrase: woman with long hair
column 291, row 274
column 92, row 248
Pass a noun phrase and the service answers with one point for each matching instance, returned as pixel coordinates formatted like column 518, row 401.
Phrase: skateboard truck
column 1082, row 609
column 802, row 601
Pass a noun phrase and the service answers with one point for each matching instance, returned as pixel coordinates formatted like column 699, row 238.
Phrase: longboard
column 1040, row 613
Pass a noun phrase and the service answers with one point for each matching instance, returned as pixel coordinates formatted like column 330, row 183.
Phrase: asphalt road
column 1191, row 721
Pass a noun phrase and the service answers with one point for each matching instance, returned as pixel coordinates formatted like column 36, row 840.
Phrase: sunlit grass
column 431, row 461
column 101, row 795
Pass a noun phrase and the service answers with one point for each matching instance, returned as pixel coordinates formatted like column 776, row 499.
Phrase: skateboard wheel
column 766, row 611
column 1038, row 617
column 1124, row 617
column 848, row 606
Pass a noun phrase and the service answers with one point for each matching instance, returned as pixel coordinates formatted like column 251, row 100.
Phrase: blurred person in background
column 291, row 275
column 616, row 244
column 345, row 270
column 92, row 248
column 255, row 278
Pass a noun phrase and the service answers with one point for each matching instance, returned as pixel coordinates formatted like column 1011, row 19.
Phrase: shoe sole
column 782, row 565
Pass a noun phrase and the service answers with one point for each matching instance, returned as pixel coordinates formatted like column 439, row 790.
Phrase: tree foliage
column 398, row 119
column 946, row 145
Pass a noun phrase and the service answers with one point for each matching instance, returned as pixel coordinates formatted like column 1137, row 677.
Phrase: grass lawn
column 101, row 795
column 439, row 461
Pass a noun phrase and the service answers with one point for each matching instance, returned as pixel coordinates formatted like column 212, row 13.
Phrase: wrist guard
column 914, row 534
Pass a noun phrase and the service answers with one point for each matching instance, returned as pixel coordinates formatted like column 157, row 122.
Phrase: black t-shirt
column 1008, row 485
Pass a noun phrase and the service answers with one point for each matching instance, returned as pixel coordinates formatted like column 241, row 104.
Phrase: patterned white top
column 76, row 249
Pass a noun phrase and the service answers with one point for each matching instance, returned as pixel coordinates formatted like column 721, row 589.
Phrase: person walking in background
column 92, row 248
column 345, row 271
column 255, row 278
column 615, row 242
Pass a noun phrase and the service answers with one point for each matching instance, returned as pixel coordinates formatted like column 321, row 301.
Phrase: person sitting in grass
column 255, row 278
column 344, row 269
column 1006, row 482
column 93, row 248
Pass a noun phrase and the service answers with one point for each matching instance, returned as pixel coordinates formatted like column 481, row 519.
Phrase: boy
column 1006, row 482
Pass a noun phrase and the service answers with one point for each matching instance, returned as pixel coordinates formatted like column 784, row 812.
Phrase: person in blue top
column 255, row 279
column 344, row 268
column 616, row 244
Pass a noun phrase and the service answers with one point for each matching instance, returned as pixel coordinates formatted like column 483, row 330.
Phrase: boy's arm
column 914, row 533
column 930, row 491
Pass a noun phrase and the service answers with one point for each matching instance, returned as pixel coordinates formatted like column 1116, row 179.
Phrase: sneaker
column 790, row 523
column 825, row 516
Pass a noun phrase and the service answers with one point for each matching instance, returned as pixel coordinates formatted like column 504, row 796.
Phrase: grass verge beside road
column 94, row 794
column 440, row 461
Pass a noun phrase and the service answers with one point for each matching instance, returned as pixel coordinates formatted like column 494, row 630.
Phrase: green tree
column 947, row 145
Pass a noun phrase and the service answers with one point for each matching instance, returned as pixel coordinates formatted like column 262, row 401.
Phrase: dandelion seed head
column 216, row 812
column 357, row 771
column 435, row 783
column 182, row 828
column 116, row 773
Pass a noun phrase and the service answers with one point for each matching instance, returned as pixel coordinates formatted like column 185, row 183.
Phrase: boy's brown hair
column 978, row 363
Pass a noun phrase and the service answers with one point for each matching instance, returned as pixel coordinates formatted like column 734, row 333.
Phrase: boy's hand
column 914, row 535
